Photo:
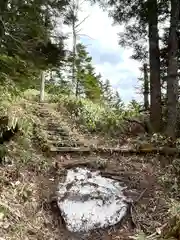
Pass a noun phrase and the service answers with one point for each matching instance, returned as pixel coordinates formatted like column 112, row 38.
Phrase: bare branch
column 81, row 21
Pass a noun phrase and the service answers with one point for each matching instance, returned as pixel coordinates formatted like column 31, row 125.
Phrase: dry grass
column 21, row 213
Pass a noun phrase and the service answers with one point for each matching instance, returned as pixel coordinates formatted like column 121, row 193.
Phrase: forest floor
column 29, row 177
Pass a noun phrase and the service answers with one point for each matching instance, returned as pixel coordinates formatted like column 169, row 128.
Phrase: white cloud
column 102, row 35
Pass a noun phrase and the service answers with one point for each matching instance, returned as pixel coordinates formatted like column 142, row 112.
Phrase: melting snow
column 88, row 201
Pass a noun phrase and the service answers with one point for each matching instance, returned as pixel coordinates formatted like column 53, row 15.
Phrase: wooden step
column 68, row 143
column 69, row 149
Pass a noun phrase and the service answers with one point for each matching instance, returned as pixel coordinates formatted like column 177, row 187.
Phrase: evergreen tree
column 87, row 82
column 107, row 92
column 27, row 45
column 91, row 84
column 118, row 103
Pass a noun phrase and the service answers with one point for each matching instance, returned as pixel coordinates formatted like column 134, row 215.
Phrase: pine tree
column 107, row 92
column 117, row 101
column 87, row 82
column 27, row 45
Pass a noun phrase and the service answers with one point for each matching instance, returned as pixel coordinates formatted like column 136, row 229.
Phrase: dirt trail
column 139, row 173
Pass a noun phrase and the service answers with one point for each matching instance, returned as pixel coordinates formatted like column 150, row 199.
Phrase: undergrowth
column 95, row 117
column 89, row 116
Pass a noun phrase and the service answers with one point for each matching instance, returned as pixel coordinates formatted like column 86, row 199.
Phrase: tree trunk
column 42, row 86
column 172, row 79
column 3, row 6
column 74, row 80
column 146, row 88
column 154, row 62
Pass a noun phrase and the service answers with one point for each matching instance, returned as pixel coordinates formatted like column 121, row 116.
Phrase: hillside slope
column 29, row 177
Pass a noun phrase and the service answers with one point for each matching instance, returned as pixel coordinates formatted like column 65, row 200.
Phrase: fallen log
column 70, row 149
column 106, row 173
column 121, row 176
column 139, row 150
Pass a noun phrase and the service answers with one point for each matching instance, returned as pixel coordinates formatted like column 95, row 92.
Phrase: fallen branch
column 113, row 173
column 140, row 196
column 119, row 176
column 158, row 232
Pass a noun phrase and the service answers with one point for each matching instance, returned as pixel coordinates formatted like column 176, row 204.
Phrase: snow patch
column 88, row 201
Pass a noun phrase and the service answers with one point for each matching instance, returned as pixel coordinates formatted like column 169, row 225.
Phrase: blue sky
column 109, row 59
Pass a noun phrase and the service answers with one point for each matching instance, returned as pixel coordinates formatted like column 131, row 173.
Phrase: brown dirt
column 149, row 210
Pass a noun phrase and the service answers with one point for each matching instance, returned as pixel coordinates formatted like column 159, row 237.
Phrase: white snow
column 88, row 201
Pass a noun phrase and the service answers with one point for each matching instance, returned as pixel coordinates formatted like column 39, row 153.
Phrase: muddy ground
column 141, row 175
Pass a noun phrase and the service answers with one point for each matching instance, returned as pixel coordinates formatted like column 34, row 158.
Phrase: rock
column 88, row 201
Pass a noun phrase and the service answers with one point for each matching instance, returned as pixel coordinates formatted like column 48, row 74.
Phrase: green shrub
column 93, row 117
column 33, row 95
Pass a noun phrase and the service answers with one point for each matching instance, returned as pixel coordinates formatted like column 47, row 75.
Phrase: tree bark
column 154, row 62
column 172, row 79
column 146, row 88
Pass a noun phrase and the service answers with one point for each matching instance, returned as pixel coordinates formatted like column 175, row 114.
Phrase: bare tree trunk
column 154, row 60
column 74, row 9
column 146, row 88
column 172, row 80
column 42, row 88
column 74, row 22
column 74, row 77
